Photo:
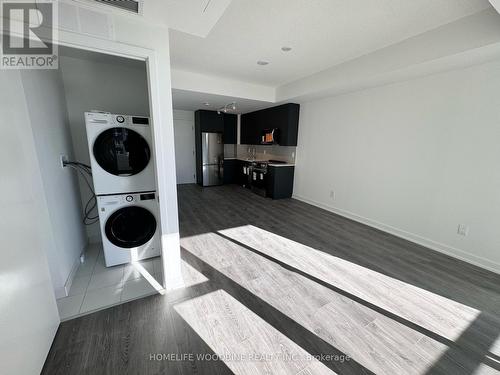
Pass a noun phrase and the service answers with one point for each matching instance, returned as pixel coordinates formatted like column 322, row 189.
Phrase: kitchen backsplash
column 229, row 151
column 262, row 152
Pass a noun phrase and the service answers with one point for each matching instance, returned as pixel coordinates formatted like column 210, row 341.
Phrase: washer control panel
column 125, row 120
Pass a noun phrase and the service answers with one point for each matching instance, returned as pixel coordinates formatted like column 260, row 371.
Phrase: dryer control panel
column 115, row 119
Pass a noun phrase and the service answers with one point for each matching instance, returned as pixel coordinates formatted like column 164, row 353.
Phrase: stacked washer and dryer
column 123, row 173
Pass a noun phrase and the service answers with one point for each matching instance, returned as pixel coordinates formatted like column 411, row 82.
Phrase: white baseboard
column 64, row 291
column 426, row 242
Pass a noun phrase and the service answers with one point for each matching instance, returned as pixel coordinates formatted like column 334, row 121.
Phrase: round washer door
column 121, row 151
column 130, row 227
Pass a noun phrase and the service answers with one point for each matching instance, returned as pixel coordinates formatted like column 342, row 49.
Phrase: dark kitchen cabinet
column 280, row 182
column 230, row 128
column 231, row 171
column 249, row 132
column 284, row 117
column 212, row 122
column 209, row 121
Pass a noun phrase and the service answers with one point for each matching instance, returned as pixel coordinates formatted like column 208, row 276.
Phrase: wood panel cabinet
column 248, row 129
column 231, row 171
column 284, row 117
column 230, row 128
column 280, row 182
column 209, row 121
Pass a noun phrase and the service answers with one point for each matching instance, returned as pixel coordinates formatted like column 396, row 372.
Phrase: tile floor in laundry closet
column 96, row 286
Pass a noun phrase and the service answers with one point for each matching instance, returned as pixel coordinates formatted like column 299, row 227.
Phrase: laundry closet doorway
column 94, row 136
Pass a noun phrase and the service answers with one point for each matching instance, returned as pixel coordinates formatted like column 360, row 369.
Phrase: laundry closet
column 94, row 144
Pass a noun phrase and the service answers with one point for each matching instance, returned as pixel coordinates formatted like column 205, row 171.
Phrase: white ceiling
column 195, row 17
column 192, row 101
column 322, row 33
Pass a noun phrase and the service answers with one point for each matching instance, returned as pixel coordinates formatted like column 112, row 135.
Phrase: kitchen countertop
column 270, row 164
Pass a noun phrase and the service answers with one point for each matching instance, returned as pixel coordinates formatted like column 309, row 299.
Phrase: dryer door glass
column 130, row 227
column 121, row 151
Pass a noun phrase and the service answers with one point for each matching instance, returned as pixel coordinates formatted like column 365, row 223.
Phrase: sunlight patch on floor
column 373, row 339
column 245, row 342
column 149, row 278
column 436, row 313
column 190, row 276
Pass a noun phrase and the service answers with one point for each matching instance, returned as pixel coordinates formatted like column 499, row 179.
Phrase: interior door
column 184, row 137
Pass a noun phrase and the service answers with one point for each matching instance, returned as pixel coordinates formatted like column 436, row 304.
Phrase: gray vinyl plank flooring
column 282, row 287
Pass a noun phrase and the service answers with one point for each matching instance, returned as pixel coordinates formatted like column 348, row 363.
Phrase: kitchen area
column 255, row 150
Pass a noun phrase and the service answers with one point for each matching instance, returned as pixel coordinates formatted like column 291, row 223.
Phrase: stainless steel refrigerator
column 212, row 151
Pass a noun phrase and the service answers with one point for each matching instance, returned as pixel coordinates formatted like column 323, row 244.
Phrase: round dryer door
column 130, row 227
column 121, row 151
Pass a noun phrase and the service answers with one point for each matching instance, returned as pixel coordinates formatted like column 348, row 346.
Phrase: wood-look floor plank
column 283, row 276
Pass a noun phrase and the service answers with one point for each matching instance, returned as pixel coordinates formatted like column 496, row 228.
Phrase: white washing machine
column 121, row 153
column 130, row 227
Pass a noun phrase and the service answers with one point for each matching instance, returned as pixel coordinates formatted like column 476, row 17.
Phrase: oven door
column 258, row 181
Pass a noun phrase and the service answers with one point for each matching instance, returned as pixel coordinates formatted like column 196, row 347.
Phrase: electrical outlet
column 463, row 230
column 63, row 160
column 332, row 194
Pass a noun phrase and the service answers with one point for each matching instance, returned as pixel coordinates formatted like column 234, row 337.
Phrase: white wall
column 47, row 110
column 28, row 312
column 93, row 85
column 185, row 162
column 465, row 42
column 416, row 158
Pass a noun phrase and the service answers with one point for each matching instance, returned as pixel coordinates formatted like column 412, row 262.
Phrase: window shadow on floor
column 471, row 349
column 205, row 210
column 463, row 355
column 215, row 209
column 287, row 326
column 144, row 336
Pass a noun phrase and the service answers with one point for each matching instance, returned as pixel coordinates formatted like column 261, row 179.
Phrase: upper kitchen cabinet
column 283, row 118
column 230, row 128
column 209, row 121
column 248, row 130
column 212, row 122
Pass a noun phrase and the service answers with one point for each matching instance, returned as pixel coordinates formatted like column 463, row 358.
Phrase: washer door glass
column 130, row 227
column 121, row 151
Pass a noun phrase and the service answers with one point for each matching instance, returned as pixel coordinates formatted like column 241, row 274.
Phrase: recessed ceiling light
column 207, row 104
column 286, row 49
column 262, row 62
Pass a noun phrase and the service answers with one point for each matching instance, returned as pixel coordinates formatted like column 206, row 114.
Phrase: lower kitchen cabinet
column 231, row 170
column 280, row 182
column 277, row 183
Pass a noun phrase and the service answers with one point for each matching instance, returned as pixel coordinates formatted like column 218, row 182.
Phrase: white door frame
column 160, row 103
